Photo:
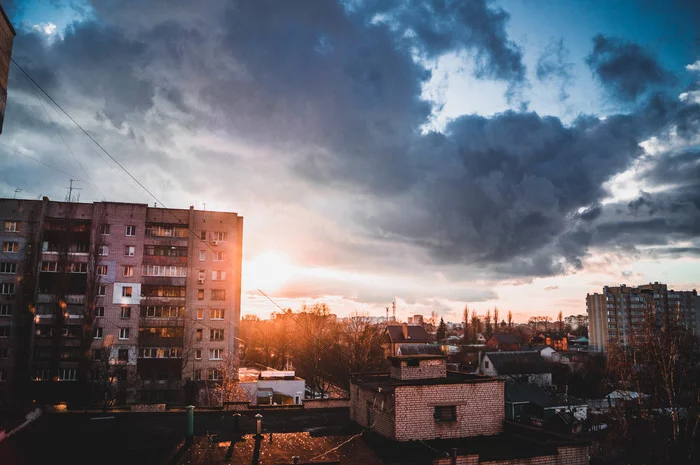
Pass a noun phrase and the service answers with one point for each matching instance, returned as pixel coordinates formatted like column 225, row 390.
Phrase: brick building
column 503, row 341
column 403, row 334
column 420, row 413
column 149, row 296
column 7, row 37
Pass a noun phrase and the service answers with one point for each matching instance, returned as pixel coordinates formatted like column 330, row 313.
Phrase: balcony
column 75, row 299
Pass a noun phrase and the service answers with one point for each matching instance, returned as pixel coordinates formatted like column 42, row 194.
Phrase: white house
column 272, row 387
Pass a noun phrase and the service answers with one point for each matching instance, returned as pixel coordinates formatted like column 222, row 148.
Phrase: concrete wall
column 480, row 410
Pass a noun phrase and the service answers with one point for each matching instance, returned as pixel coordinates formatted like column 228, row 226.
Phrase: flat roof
column 373, row 381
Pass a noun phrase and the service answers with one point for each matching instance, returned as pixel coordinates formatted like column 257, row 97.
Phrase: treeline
column 321, row 348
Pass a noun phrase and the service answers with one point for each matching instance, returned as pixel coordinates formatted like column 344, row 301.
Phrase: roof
column 519, row 393
column 383, row 381
column 415, row 334
column 413, row 349
column 505, row 338
column 518, row 363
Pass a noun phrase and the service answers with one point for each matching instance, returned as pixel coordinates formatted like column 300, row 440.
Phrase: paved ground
column 152, row 438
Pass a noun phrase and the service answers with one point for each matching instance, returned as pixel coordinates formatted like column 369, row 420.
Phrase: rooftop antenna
column 204, row 205
column 71, row 189
column 16, row 192
column 394, row 308
column 387, row 314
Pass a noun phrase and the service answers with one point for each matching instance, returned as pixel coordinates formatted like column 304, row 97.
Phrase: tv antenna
column 71, row 189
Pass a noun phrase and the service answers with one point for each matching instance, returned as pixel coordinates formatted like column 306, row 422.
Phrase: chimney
column 404, row 330
column 394, row 306
column 387, row 314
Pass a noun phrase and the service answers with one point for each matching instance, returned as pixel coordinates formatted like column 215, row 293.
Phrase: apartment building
column 617, row 315
column 151, row 296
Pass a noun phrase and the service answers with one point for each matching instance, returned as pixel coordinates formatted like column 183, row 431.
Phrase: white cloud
column 693, row 66
column 47, row 28
column 690, row 97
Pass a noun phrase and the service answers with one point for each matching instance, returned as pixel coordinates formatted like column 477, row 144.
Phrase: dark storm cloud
column 626, row 70
column 332, row 95
column 554, row 64
column 440, row 26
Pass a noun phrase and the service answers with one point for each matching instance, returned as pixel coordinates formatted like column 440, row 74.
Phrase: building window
column 162, row 270
column 218, row 294
column 78, row 267
column 200, row 313
column 128, row 271
column 202, row 255
column 4, row 352
column 215, row 354
column 127, row 291
column 101, row 291
column 67, row 374
column 218, row 275
column 97, row 354
column 11, row 226
column 198, row 335
column 198, row 354
column 123, row 355
column 203, row 235
column 445, row 413
column 7, row 289
column 123, row 333
column 10, row 247
column 216, row 334
column 4, row 331
column 216, row 314
column 486, row 364
column 104, row 229
column 8, row 268
column 131, row 230
column 98, row 332
column 3, row 374
column 5, row 310
column 50, row 267
column 102, row 270
column 213, row 374
column 125, row 312
column 200, row 294
column 103, row 251
column 219, row 256
column 201, row 275
column 121, row 375
column 129, row 250
column 100, row 311
column 219, row 236
column 198, row 375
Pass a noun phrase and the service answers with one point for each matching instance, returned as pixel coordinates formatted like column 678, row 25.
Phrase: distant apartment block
column 617, row 315
column 150, row 296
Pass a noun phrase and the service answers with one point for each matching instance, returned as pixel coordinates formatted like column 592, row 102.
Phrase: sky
column 515, row 154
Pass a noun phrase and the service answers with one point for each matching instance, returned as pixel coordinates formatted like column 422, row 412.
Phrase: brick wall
column 480, row 410
column 369, row 408
column 426, row 369
column 569, row 455
column 325, row 403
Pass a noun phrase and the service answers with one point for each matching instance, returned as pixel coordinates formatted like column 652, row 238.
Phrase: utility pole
column 17, row 191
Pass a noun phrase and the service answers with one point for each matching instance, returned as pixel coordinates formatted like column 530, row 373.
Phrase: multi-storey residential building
column 138, row 298
column 618, row 314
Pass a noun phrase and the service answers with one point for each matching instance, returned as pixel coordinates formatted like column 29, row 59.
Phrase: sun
column 267, row 271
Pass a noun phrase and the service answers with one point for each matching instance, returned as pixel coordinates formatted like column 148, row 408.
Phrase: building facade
column 7, row 37
column 149, row 296
column 617, row 315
